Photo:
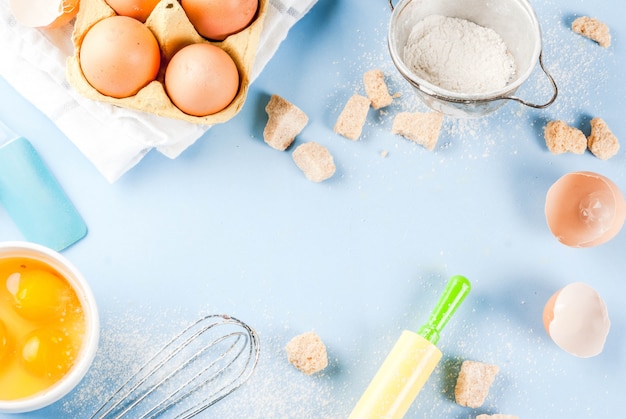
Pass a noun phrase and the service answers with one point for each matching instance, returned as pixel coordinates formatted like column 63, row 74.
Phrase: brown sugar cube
column 561, row 138
column 593, row 29
column 472, row 385
column 307, row 353
column 376, row 89
column 602, row 143
column 315, row 161
column 285, row 121
column 496, row 416
column 423, row 128
column 351, row 120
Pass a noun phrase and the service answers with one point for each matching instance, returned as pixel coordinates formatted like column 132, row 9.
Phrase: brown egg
column 119, row 55
column 138, row 9
column 48, row 14
column 577, row 320
column 218, row 19
column 201, row 79
column 584, row 209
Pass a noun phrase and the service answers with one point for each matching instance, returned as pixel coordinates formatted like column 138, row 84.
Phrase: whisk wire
column 179, row 394
column 225, row 362
column 141, row 379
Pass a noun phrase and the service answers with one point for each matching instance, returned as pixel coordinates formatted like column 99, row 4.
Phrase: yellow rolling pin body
column 411, row 361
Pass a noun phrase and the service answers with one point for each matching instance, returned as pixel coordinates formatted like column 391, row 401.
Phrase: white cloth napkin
column 112, row 138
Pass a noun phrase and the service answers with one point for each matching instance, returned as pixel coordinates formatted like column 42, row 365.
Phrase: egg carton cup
column 173, row 31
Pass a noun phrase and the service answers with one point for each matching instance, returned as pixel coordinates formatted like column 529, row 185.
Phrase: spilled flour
column 459, row 55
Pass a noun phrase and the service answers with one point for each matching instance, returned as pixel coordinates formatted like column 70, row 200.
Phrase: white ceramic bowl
column 92, row 331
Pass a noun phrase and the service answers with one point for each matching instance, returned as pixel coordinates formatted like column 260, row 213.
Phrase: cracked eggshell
column 577, row 320
column 44, row 13
column 584, row 209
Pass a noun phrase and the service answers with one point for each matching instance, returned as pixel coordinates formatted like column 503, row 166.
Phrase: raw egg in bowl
column 49, row 327
column 585, row 209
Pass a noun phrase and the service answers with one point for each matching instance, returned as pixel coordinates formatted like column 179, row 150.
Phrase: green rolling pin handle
column 455, row 292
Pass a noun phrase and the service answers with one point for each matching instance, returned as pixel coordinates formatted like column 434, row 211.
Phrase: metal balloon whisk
column 200, row 366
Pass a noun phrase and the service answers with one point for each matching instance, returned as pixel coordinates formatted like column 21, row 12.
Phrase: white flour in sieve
column 458, row 55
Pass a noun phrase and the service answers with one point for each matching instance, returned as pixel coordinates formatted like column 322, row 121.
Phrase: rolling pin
column 411, row 361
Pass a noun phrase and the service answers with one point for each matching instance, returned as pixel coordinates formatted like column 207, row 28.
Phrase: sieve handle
column 391, row 5
column 552, row 82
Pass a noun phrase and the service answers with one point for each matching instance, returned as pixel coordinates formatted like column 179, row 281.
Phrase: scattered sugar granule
column 315, row 161
column 593, row 29
column 473, row 382
column 353, row 116
column 423, row 128
column 376, row 89
column 602, row 143
column 307, row 353
column 561, row 138
column 384, row 153
column 285, row 121
column 496, row 416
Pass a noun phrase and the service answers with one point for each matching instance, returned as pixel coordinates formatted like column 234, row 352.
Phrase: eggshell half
column 44, row 13
column 577, row 320
column 584, row 209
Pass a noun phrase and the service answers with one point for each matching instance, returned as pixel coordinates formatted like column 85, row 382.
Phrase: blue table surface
column 232, row 226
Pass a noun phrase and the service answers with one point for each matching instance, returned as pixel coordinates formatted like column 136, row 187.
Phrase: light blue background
column 232, row 226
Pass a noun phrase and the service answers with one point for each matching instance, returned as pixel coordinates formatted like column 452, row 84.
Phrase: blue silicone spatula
column 33, row 198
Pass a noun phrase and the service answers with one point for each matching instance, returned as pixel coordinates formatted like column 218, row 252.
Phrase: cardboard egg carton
column 173, row 30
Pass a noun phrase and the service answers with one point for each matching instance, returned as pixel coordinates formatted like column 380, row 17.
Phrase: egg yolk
column 47, row 352
column 42, row 326
column 38, row 294
column 4, row 340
